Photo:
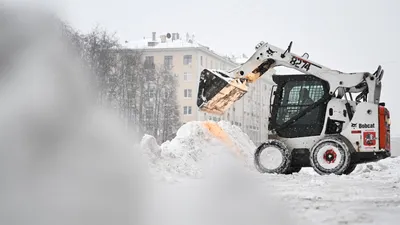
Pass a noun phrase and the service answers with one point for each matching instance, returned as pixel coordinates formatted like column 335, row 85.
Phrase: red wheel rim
column 330, row 156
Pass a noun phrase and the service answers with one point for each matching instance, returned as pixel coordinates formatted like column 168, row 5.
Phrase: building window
column 168, row 61
column 187, row 76
column 151, row 93
column 201, row 60
column 149, row 113
column 187, row 59
column 187, row 110
column 149, row 62
column 187, row 93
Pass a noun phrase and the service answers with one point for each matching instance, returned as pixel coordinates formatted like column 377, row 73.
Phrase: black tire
column 285, row 157
column 350, row 169
column 331, row 155
column 295, row 169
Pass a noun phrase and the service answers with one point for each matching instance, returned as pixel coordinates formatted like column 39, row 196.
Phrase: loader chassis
column 293, row 121
column 314, row 120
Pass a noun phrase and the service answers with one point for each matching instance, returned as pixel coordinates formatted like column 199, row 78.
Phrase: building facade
column 186, row 58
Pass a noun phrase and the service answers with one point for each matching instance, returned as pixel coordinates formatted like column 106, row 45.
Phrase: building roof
column 158, row 43
column 176, row 41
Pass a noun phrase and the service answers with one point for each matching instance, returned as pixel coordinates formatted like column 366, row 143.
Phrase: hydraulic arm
column 219, row 89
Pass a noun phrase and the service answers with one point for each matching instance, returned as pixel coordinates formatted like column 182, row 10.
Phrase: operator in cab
column 305, row 97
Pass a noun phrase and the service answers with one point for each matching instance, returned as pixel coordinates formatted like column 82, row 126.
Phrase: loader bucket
column 217, row 92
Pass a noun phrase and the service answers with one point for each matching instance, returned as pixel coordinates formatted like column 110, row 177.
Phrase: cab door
column 288, row 106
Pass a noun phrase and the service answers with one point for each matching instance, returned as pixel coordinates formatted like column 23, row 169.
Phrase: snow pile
column 195, row 143
column 388, row 166
column 240, row 139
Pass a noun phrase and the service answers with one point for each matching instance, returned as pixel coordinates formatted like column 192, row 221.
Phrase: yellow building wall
column 200, row 60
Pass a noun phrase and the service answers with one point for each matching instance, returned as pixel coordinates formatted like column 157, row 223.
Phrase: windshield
column 296, row 96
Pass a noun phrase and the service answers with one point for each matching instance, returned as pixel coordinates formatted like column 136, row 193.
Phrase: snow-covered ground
column 215, row 176
column 370, row 195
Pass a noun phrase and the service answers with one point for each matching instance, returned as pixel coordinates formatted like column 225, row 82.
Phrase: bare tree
column 143, row 94
column 166, row 110
column 130, row 88
column 99, row 47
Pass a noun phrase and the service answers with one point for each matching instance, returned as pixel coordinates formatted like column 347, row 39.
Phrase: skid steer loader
column 314, row 119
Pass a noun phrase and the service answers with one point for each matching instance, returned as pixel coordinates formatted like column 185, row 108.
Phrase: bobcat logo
column 353, row 124
column 365, row 125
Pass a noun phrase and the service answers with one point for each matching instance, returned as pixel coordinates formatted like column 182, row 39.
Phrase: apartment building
column 187, row 58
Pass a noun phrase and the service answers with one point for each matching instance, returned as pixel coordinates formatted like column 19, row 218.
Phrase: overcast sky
column 347, row 35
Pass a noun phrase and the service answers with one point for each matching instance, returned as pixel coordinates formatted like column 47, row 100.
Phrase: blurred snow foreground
column 63, row 160
column 228, row 191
